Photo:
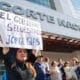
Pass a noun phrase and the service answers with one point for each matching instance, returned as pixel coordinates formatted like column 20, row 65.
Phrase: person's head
column 74, row 60
column 39, row 59
column 36, row 52
column 46, row 59
column 21, row 54
column 66, row 64
column 60, row 61
column 54, row 64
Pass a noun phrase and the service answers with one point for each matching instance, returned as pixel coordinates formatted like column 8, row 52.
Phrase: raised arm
column 5, row 50
column 8, row 56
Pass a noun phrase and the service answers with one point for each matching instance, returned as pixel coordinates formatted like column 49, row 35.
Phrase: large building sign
column 56, row 23
column 20, row 31
column 26, row 12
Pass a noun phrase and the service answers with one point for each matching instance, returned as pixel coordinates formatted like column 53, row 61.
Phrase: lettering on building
column 36, row 15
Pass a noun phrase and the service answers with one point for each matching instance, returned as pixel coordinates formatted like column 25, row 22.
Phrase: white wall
column 49, row 27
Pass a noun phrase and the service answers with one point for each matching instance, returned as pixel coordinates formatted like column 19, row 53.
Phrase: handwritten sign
column 19, row 32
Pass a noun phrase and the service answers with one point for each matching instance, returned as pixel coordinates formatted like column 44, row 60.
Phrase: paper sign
column 19, row 32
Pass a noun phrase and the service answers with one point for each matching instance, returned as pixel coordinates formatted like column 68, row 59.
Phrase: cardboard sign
column 19, row 32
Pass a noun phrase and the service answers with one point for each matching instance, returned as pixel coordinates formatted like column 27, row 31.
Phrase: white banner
column 19, row 32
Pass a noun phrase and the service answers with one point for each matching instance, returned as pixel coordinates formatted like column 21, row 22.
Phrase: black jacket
column 16, row 70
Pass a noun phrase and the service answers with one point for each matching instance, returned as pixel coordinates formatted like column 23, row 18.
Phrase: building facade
column 59, row 21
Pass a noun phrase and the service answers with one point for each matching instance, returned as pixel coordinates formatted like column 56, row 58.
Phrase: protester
column 74, row 61
column 19, row 68
column 55, row 72
column 69, row 71
column 63, row 72
column 78, row 71
column 39, row 68
column 60, row 63
column 45, row 63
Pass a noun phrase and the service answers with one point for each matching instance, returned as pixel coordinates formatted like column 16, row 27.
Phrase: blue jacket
column 40, row 73
column 4, row 76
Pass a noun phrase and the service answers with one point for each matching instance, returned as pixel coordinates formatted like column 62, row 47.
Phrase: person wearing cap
column 17, row 67
column 39, row 68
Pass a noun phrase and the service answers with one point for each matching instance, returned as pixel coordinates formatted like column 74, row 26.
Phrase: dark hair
column 1, row 55
column 66, row 62
column 53, row 62
column 16, row 49
column 31, row 57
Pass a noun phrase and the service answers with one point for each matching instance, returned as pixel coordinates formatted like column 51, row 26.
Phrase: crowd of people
column 57, row 70
column 23, row 64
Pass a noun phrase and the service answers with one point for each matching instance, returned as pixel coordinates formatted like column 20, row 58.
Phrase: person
column 39, row 68
column 60, row 63
column 78, row 71
column 45, row 63
column 69, row 71
column 63, row 72
column 74, row 61
column 61, row 68
column 18, row 68
column 55, row 72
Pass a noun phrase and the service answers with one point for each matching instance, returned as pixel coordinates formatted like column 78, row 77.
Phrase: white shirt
column 70, row 72
column 56, row 74
column 44, row 66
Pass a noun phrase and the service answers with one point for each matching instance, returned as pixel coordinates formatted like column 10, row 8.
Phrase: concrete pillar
column 66, row 7
column 58, row 6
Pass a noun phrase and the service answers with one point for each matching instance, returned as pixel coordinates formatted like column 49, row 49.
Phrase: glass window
column 46, row 3
column 76, row 5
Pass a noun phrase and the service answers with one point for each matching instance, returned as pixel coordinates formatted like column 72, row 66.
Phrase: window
column 76, row 5
column 46, row 3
